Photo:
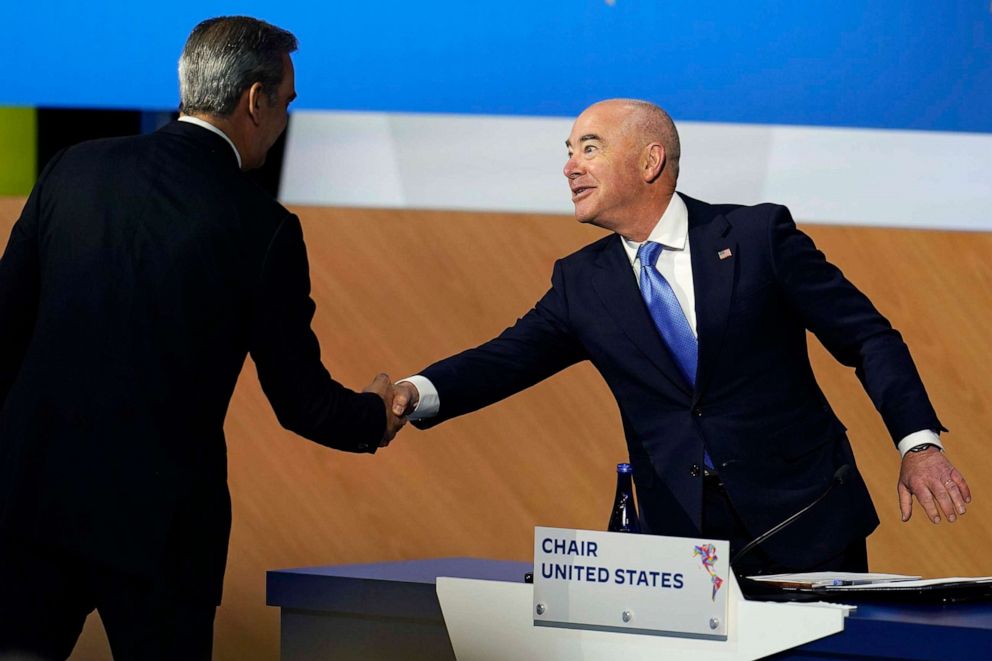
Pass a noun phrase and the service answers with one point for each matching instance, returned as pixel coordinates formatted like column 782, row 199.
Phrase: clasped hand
column 400, row 400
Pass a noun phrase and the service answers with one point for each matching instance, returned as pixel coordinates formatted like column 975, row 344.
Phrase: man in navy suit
column 140, row 274
column 696, row 317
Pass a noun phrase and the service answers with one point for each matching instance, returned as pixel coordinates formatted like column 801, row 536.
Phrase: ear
column 654, row 162
column 255, row 102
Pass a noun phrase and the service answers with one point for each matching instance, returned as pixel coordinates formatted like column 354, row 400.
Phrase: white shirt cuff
column 919, row 438
column 429, row 402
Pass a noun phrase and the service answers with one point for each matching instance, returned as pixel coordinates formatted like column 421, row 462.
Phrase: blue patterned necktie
column 666, row 312
column 668, row 317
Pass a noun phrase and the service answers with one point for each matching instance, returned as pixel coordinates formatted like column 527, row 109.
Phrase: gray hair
column 224, row 56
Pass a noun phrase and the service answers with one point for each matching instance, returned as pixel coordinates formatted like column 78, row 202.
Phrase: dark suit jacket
column 756, row 405
column 139, row 275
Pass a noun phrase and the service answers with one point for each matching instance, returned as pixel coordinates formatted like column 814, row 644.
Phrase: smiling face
column 603, row 167
column 622, row 165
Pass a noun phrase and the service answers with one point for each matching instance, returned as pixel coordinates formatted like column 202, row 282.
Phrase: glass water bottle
column 624, row 515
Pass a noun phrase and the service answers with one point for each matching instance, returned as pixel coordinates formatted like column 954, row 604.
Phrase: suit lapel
column 714, row 256
column 616, row 287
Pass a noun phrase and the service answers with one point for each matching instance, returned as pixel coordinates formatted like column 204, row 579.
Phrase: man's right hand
column 394, row 421
column 405, row 398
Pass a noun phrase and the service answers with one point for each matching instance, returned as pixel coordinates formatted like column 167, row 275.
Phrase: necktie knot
column 648, row 253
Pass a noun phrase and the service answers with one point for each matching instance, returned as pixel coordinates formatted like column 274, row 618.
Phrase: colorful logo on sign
column 707, row 553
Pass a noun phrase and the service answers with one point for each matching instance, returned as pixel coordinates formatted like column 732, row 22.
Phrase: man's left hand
column 935, row 482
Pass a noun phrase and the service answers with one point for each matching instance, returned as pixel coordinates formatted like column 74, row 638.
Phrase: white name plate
column 674, row 586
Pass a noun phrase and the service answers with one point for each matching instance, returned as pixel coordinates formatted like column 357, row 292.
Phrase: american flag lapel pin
column 725, row 253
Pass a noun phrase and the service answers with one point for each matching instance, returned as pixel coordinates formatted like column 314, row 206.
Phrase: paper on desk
column 909, row 585
column 829, row 578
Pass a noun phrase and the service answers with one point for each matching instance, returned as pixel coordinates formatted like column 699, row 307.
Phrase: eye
column 588, row 149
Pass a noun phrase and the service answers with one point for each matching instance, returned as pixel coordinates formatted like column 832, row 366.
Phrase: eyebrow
column 585, row 138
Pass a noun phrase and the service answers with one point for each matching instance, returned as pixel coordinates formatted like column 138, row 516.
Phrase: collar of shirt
column 671, row 231
column 210, row 127
column 674, row 262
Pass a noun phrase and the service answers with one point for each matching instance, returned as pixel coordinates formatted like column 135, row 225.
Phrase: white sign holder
column 494, row 621
column 649, row 584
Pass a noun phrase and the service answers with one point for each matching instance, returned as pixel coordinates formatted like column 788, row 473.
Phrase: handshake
column 400, row 399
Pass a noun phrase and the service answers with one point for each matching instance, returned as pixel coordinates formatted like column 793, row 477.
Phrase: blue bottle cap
column 624, row 468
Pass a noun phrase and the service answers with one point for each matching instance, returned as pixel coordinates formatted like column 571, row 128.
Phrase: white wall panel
column 892, row 178
column 492, row 163
column 341, row 159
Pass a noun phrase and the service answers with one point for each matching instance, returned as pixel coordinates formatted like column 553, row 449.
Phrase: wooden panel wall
column 398, row 289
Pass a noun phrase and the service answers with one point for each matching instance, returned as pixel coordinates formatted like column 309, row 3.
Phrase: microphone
column 839, row 476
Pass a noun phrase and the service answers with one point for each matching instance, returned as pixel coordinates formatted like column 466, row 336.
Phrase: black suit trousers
column 47, row 593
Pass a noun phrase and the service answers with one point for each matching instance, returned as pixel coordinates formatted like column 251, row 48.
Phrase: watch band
column 923, row 446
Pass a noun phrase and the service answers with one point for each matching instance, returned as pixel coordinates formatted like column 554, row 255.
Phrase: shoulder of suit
column 590, row 251
column 250, row 197
column 92, row 159
column 113, row 156
column 697, row 207
column 100, row 147
column 701, row 212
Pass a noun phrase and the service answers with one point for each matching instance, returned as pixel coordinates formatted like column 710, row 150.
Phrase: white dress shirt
column 675, row 264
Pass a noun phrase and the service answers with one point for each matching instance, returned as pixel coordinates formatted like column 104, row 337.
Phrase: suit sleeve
column 305, row 398
column 539, row 345
column 851, row 329
column 20, row 279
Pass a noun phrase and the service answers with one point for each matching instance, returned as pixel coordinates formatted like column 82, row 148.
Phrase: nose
column 571, row 169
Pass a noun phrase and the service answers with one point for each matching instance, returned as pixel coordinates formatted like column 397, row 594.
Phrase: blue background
column 911, row 65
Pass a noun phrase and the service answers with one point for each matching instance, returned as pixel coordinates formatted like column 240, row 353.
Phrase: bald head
column 644, row 122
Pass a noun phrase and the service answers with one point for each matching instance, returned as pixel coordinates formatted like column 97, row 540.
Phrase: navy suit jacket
column 756, row 406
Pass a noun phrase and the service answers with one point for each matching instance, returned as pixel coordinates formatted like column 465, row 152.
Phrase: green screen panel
column 18, row 150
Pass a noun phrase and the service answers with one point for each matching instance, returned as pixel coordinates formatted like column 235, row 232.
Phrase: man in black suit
column 140, row 274
column 696, row 317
